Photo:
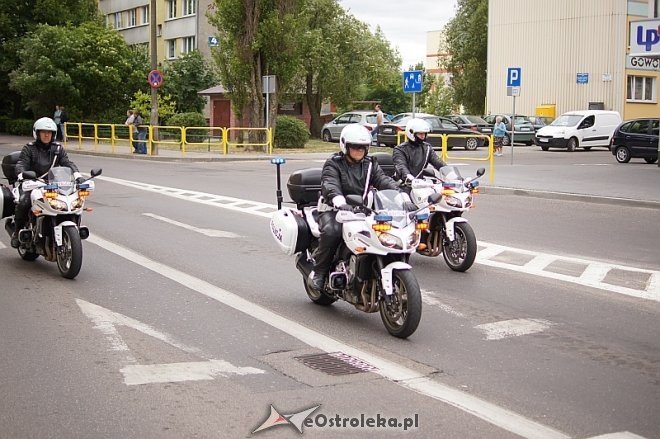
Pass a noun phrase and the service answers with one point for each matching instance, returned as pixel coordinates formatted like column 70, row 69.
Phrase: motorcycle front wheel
column 69, row 257
column 401, row 315
column 460, row 253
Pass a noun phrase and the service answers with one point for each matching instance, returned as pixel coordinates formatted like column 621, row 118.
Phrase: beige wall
column 552, row 41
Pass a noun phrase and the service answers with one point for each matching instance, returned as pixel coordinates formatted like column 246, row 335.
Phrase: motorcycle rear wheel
column 317, row 297
column 69, row 259
column 460, row 253
column 403, row 315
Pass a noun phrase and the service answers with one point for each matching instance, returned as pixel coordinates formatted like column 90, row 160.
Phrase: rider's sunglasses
column 354, row 146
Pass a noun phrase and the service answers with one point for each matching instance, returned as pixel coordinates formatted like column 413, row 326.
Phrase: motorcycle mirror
column 29, row 175
column 481, row 171
column 96, row 171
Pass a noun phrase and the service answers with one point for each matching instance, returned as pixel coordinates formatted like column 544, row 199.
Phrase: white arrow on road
column 212, row 233
column 107, row 321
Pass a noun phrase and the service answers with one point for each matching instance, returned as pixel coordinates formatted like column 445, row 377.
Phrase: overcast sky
column 404, row 23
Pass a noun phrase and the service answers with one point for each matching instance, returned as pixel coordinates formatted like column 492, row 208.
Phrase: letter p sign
column 513, row 76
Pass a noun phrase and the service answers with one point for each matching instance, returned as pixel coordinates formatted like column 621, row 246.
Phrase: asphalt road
column 84, row 358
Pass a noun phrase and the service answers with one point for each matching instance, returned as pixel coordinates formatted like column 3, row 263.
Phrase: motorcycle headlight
column 58, row 204
column 78, row 203
column 453, row 202
column 413, row 239
column 468, row 201
column 391, row 241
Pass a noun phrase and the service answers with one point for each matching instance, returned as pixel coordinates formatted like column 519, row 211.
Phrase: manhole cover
column 336, row 363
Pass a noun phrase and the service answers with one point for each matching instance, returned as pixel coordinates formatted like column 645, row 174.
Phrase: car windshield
column 521, row 120
column 390, row 202
column 567, row 120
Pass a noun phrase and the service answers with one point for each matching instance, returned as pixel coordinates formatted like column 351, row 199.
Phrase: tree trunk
column 314, row 105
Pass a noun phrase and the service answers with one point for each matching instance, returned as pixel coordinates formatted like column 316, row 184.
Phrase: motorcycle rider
column 348, row 172
column 412, row 156
column 39, row 156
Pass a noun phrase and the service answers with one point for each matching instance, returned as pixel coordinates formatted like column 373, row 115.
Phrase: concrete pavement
column 587, row 176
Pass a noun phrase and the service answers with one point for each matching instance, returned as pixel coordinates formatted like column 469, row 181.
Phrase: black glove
column 80, row 180
column 409, row 206
column 345, row 207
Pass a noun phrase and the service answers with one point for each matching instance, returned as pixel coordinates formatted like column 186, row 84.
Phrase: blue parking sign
column 513, row 75
column 412, row 81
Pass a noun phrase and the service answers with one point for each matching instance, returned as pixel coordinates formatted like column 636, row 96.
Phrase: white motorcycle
column 53, row 229
column 449, row 233
column 370, row 269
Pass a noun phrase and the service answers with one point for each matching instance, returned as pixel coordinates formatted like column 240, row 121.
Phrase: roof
column 218, row 89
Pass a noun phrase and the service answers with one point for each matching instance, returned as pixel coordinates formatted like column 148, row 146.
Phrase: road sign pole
column 268, row 103
column 413, row 107
column 513, row 126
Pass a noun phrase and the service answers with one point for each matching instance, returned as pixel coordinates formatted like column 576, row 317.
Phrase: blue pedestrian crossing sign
column 412, row 81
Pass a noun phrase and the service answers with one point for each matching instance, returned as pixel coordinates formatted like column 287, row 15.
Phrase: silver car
column 331, row 130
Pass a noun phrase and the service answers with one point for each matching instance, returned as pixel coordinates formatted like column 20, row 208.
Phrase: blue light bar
column 382, row 218
column 278, row 161
column 422, row 216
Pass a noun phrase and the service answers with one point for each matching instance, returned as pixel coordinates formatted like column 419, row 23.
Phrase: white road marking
column 208, row 232
column 176, row 372
column 107, row 321
column 592, row 278
column 430, row 299
column 619, row 435
column 513, row 328
column 401, row 375
column 2, row 246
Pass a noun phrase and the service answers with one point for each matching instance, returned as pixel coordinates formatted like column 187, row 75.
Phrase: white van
column 579, row 129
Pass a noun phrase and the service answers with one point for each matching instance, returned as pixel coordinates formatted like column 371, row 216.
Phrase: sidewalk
column 534, row 173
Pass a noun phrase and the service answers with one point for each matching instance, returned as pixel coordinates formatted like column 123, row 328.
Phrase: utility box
column 547, row 110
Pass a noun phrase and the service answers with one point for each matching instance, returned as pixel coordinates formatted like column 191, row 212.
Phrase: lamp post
column 153, row 121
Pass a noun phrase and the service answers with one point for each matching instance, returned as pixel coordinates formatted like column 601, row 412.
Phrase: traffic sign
column 513, row 76
column 155, row 79
column 582, row 78
column 412, row 81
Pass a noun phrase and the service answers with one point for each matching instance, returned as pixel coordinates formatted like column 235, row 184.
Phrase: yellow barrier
column 181, row 137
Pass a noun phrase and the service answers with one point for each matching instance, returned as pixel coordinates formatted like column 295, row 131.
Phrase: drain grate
column 336, row 363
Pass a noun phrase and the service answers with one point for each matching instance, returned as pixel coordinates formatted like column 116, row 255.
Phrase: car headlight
column 58, row 204
column 453, row 202
column 391, row 241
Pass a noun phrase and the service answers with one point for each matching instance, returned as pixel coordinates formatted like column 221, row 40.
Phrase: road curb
column 567, row 196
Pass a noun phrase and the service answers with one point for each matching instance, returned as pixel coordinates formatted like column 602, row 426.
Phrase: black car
column 388, row 134
column 474, row 123
column 637, row 138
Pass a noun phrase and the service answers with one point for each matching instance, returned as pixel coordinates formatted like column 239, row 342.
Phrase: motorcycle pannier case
column 305, row 186
column 7, row 205
column 9, row 166
column 290, row 231
column 386, row 163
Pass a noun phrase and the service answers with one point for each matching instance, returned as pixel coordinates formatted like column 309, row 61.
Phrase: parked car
column 539, row 121
column 579, row 129
column 396, row 119
column 474, row 123
column 523, row 132
column 330, row 131
column 439, row 125
column 637, row 138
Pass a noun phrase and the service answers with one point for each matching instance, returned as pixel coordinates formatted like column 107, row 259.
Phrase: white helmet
column 44, row 124
column 354, row 134
column 415, row 126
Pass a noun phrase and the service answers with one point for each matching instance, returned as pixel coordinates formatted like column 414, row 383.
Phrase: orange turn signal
column 382, row 227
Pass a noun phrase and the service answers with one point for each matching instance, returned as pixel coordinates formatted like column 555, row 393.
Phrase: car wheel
column 529, row 143
column 506, row 140
column 622, row 154
column 545, row 147
column 471, row 144
column 327, row 137
column 650, row 160
column 572, row 144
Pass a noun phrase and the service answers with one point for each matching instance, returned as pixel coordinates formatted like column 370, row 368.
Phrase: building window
column 118, row 20
column 189, row 7
column 641, row 89
column 188, row 44
column 144, row 12
column 171, row 8
column 171, row 49
column 131, row 18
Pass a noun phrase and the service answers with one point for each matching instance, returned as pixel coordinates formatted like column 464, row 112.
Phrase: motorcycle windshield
column 390, row 201
column 63, row 178
column 450, row 173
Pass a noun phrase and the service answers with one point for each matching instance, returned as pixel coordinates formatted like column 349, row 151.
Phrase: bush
column 290, row 132
column 20, row 127
column 191, row 119
column 3, row 123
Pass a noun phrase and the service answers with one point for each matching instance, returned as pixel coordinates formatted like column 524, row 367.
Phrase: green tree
column 166, row 106
column 184, row 77
column 467, row 45
column 17, row 18
column 86, row 67
column 440, row 101
column 256, row 38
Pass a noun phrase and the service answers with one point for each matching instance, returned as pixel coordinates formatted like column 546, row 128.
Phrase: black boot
column 317, row 280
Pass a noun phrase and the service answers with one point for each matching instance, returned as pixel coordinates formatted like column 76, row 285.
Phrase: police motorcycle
column 53, row 229
column 449, row 233
column 370, row 269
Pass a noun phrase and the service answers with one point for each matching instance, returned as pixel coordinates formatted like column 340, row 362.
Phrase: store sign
column 645, row 38
column 643, row 63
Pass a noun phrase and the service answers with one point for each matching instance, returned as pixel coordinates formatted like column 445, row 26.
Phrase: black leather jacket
column 411, row 158
column 39, row 158
column 341, row 178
